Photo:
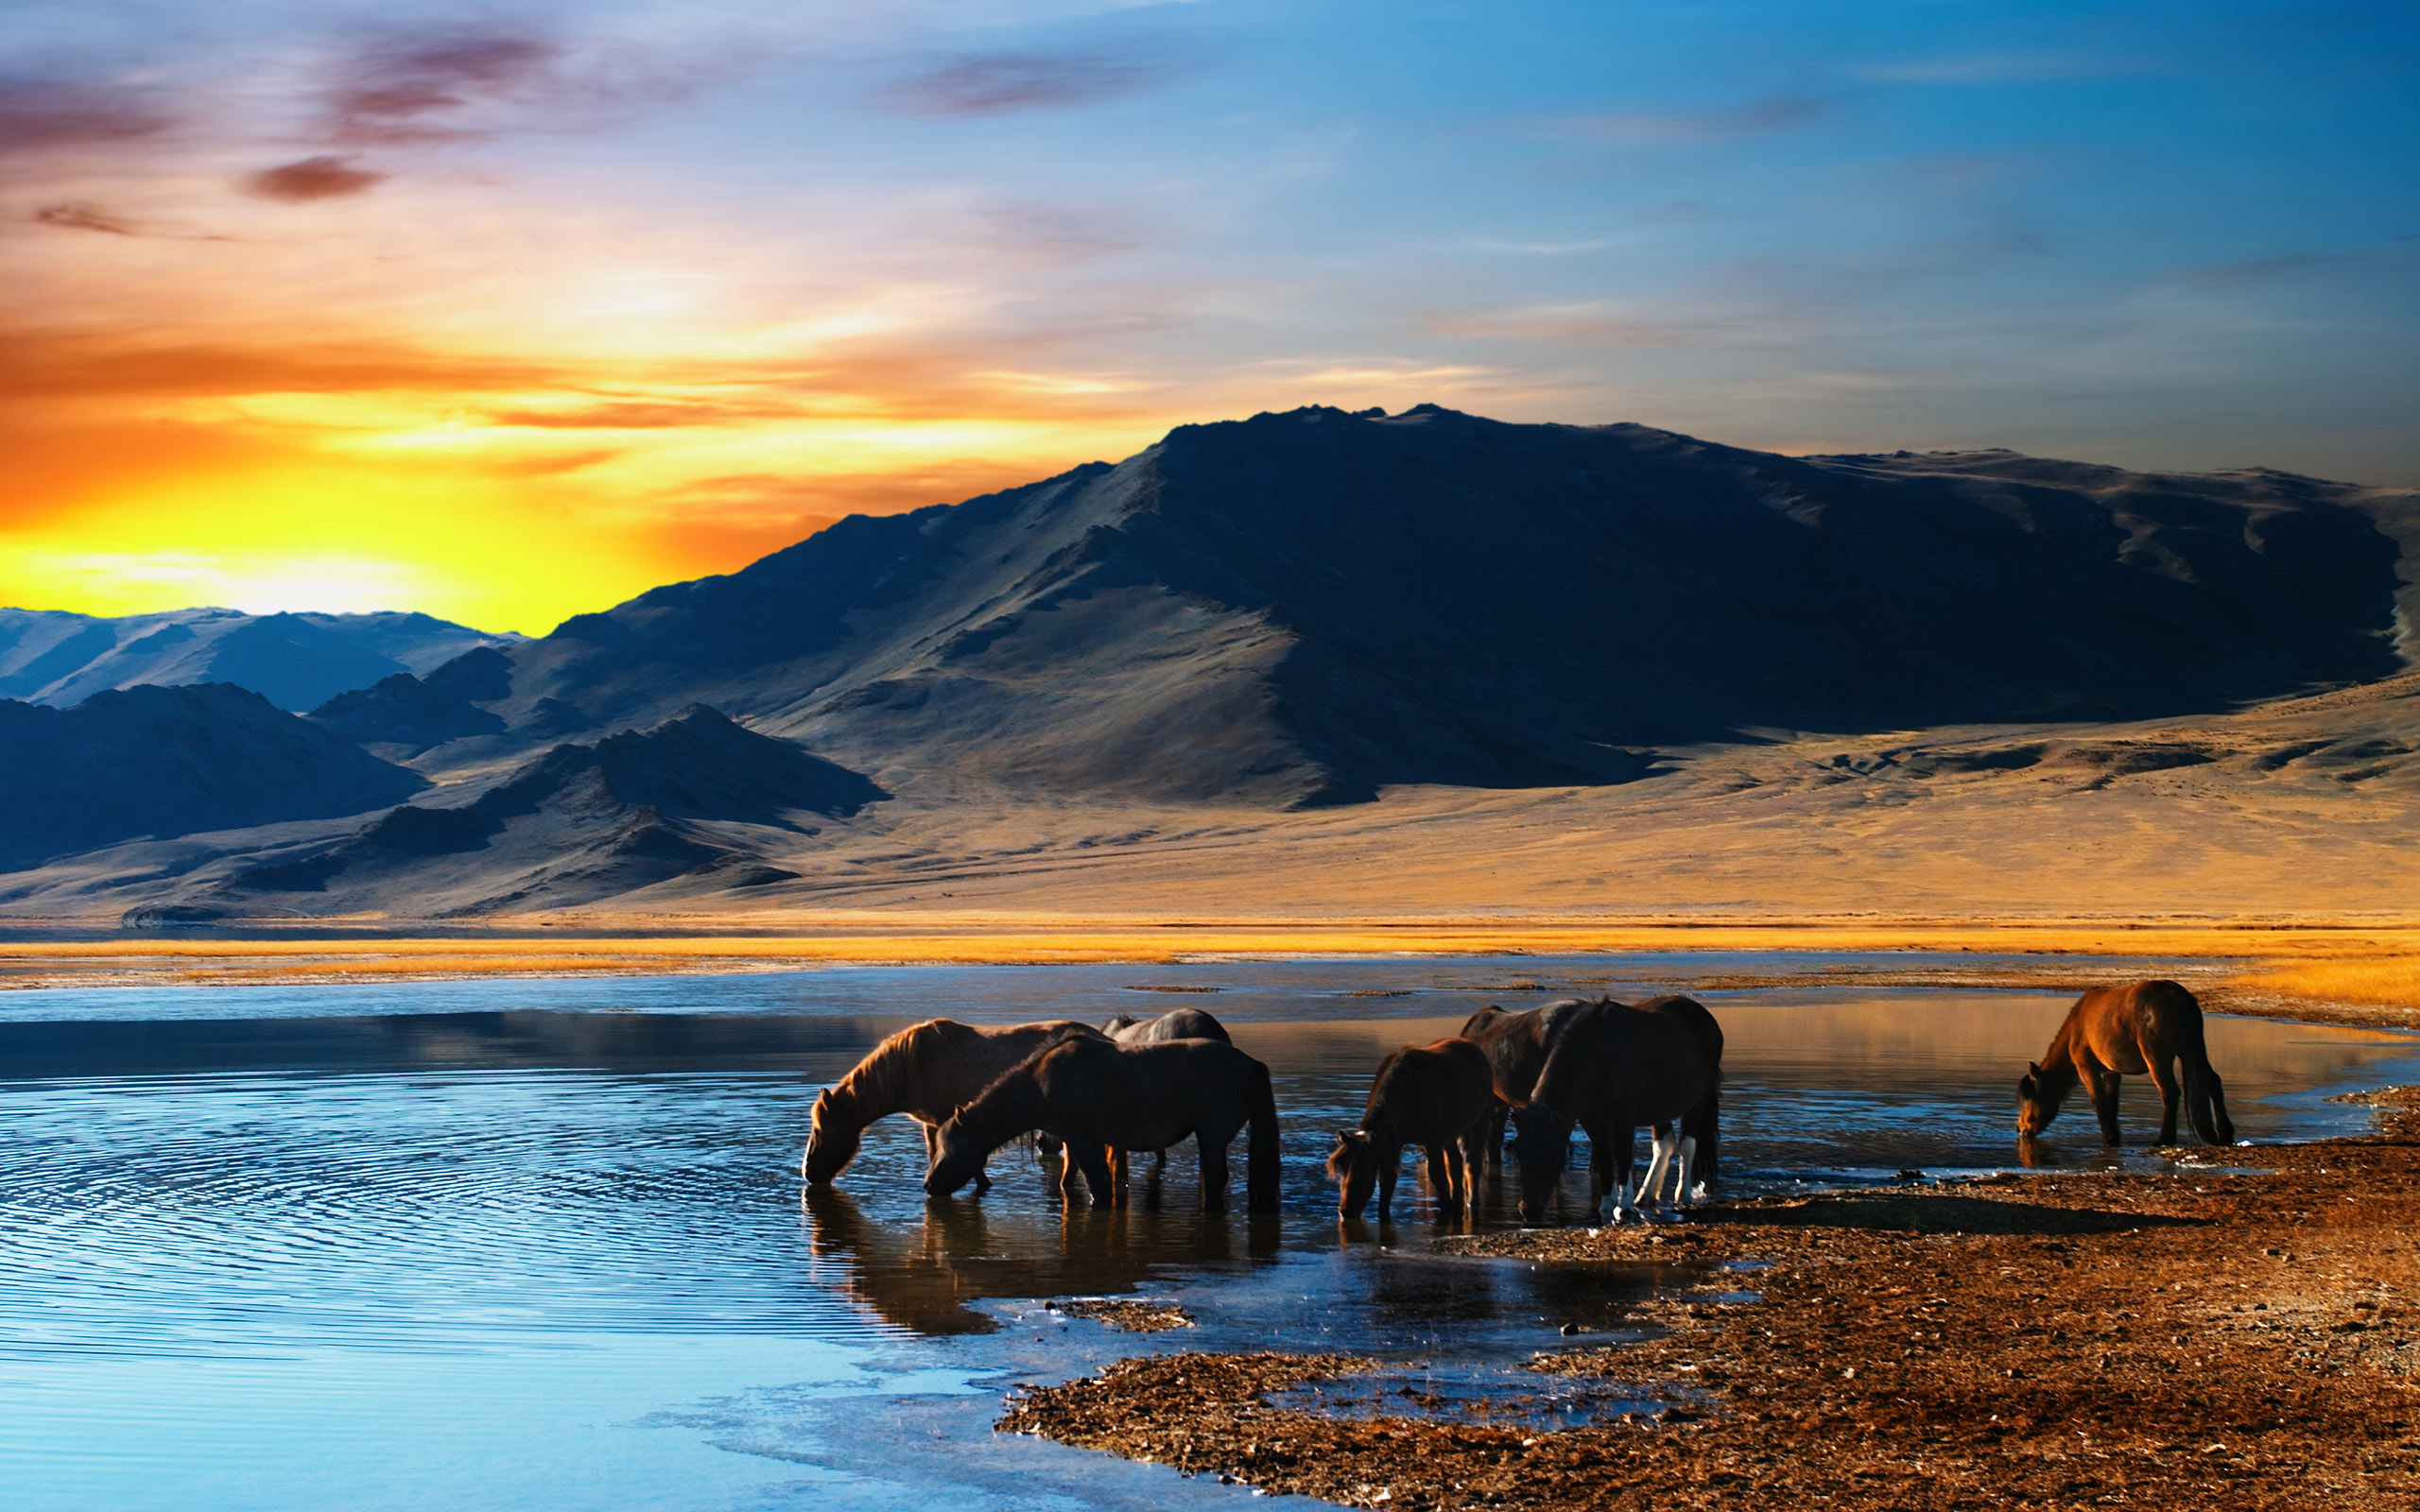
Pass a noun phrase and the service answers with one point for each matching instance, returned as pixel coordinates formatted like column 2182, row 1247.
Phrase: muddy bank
column 2242, row 1334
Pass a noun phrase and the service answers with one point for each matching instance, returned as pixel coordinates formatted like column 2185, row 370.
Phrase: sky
column 509, row 312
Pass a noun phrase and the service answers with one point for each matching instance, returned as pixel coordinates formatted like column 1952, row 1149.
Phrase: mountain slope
column 296, row 660
column 1301, row 608
column 583, row 822
column 170, row 762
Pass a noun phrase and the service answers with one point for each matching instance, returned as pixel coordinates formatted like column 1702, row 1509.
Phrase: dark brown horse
column 2126, row 1031
column 1516, row 1046
column 927, row 1071
column 1177, row 1023
column 1612, row 1069
column 1432, row 1095
column 1094, row 1094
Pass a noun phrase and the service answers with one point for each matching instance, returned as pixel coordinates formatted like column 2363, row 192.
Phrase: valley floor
column 2241, row 1331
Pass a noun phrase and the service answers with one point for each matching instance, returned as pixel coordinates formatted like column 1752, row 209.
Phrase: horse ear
column 2033, row 1069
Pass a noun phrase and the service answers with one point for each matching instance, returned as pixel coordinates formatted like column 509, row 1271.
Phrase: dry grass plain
column 2265, row 855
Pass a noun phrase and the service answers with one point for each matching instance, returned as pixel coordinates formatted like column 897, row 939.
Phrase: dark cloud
column 79, row 214
column 321, row 178
column 999, row 83
column 40, row 115
column 427, row 90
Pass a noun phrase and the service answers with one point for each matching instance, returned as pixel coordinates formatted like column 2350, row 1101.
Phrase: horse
column 1432, row 1095
column 1516, row 1046
column 1177, row 1023
column 1096, row 1094
column 2115, row 1031
column 1613, row 1068
column 927, row 1071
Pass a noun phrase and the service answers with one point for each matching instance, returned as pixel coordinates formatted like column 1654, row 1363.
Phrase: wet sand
column 2240, row 1331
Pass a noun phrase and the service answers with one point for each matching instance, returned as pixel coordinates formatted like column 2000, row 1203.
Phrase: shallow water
column 541, row 1244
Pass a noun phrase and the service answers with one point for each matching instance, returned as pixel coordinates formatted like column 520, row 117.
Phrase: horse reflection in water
column 925, row 1278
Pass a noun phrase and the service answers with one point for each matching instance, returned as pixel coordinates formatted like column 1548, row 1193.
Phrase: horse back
column 1147, row 1096
column 1658, row 1062
column 2122, row 1026
column 1432, row 1092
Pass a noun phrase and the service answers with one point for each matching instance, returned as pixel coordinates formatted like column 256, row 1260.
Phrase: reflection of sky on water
column 463, row 1247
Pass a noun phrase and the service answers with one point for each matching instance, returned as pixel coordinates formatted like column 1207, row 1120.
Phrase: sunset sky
column 509, row 312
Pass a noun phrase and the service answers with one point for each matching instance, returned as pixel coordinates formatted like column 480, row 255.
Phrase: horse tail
column 2206, row 1098
column 1260, row 1172
column 1705, row 1124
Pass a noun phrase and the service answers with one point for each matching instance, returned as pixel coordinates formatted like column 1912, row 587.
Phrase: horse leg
column 2171, row 1096
column 2102, row 1086
column 2207, row 1101
column 1457, row 1168
column 1650, row 1186
column 1683, row 1193
column 1441, row 1177
column 1214, row 1170
column 1498, row 1112
column 1094, row 1161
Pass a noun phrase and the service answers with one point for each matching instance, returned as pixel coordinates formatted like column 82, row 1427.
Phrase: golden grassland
column 2344, row 966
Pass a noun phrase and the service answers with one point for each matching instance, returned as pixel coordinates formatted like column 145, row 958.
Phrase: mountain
column 418, row 712
column 583, row 822
column 296, row 660
column 1301, row 608
column 166, row 762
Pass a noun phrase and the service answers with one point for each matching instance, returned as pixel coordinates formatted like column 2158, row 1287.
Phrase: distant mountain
column 296, row 660
column 583, row 822
column 418, row 712
column 168, row 761
column 1300, row 607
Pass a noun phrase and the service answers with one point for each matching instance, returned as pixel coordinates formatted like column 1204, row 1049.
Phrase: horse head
column 2036, row 1102
column 957, row 1159
column 1355, row 1168
column 831, row 1140
column 1542, row 1143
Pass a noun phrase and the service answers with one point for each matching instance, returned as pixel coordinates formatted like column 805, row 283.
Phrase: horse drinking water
column 2115, row 1031
column 1516, row 1046
column 1435, row 1096
column 927, row 1071
column 1094, row 1094
column 1614, row 1068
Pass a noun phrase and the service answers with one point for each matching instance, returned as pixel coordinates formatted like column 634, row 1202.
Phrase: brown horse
column 1612, row 1069
column 1094, row 1094
column 1432, row 1095
column 2115, row 1031
column 927, row 1071
column 1516, row 1046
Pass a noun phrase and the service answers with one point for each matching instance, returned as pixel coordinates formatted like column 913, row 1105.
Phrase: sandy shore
column 2237, row 1334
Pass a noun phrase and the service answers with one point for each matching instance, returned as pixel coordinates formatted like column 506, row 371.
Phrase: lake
column 540, row 1243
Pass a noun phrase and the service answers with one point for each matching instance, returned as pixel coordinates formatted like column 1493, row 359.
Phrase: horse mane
column 877, row 1081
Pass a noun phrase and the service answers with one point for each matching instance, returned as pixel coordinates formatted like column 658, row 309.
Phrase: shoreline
column 2066, row 1340
column 2351, row 973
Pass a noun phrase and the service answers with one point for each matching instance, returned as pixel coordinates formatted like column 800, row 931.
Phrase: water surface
column 540, row 1243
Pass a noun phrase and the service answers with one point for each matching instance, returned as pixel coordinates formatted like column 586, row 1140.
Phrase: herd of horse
column 1603, row 1067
